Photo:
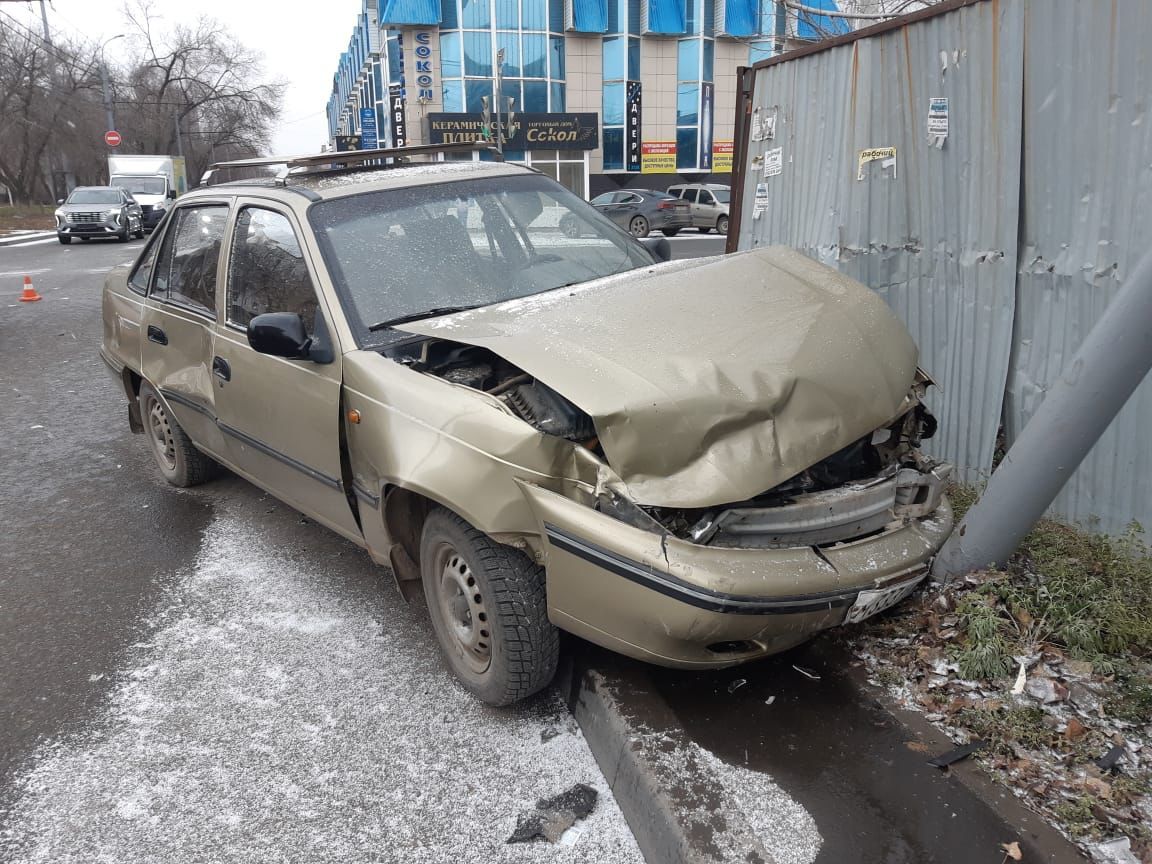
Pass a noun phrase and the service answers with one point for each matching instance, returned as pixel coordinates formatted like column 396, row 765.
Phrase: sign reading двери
column 521, row 131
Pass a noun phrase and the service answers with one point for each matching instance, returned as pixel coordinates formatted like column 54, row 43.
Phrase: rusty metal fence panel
column 933, row 226
column 1087, row 219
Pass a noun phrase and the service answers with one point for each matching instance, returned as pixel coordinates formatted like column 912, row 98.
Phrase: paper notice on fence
column 773, row 161
column 885, row 155
column 938, row 117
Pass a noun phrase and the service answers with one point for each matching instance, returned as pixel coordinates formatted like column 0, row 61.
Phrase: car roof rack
column 343, row 160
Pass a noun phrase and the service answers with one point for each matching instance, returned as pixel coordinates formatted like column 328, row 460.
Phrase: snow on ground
column 270, row 717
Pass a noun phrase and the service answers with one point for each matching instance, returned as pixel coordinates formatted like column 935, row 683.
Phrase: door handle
column 221, row 369
column 155, row 334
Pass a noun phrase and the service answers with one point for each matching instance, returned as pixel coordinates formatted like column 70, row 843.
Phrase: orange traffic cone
column 29, row 295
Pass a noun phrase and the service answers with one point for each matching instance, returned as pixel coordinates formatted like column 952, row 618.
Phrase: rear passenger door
column 179, row 317
column 280, row 418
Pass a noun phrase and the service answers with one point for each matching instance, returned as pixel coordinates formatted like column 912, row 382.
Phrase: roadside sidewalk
column 25, row 237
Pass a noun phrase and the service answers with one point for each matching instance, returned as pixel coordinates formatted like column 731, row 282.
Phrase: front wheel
column 140, row 230
column 489, row 611
column 123, row 235
column 669, row 232
column 63, row 239
column 638, row 227
column 177, row 457
column 722, row 224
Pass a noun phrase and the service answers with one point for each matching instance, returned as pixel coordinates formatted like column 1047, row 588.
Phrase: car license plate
column 869, row 602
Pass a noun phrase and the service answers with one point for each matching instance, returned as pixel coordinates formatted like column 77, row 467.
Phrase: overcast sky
column 301, row 44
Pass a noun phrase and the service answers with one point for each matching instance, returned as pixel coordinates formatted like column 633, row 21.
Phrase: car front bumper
column 674, row 603
column 108, row 228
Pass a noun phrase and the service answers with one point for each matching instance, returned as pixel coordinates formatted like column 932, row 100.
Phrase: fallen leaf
column 917, row 746
column 1012, row 850
column 1099, row 787
column 1076, row 730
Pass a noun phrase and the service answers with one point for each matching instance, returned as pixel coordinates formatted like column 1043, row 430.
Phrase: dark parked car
column 98, row 211
column 638, row 211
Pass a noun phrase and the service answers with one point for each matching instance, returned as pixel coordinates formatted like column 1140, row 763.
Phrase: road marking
column 29, row 243
column 26, row 272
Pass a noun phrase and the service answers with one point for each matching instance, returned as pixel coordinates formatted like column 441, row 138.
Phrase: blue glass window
column 476, row 14
column 687, row 103
column 613, row 149
column 376, row 71
column 450, row 55
column 449, row 14
column 533, row 15
column 688, row 60
column 394, row 70
column 513, row 155
column 633, row 59
column 508, row 14
column 510, row 90
column 535, row 56
column 686, row 148
column 634, row 17
column 709, row 59
column 510, row 42
column 556, row 56
column 535, row 96
column 555, row 15
column 557, row 96
column 614, row 58
column 691, row 18
column 453, row 96
column 613, row 108
column 478, row 54
column 473, row 91
column 709, row 17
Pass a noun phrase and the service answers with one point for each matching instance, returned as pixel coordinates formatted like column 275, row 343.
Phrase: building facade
column 599, row 94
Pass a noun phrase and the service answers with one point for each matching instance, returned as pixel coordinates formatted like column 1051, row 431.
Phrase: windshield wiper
column 435, row 312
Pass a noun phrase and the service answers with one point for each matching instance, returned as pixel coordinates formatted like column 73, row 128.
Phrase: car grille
column 145, row 209
column 85, row 217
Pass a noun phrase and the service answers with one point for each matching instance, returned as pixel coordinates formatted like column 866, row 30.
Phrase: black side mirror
column 172, row 194
column 280, row 334
column 658, row 246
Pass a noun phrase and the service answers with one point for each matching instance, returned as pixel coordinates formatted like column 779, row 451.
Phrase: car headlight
column 114, row 213
column 59, row 214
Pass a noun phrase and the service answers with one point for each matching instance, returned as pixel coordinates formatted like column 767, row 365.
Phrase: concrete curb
column 12, row 240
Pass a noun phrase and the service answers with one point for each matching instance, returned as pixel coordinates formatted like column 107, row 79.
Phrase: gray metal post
column 109, row 117
column 1111, row 363
column 179, row 140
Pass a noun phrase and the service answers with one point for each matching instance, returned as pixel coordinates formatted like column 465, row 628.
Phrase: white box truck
column 154, row 181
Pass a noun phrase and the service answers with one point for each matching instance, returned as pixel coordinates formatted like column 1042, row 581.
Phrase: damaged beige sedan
column 695, row 463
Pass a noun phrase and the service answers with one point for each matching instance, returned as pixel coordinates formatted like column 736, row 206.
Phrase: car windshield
column 94, row 196
column 403, row 253
column 722, row 195
column 142, row 185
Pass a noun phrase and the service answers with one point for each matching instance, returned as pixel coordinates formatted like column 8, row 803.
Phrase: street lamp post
column 499, row 99
column 109, row 114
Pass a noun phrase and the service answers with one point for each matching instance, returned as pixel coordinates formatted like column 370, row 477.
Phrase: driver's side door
column 280, row 418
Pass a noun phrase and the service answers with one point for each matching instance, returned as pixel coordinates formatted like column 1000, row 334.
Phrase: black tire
column 669, row 232
column 703, row 230
column 176, row 456
column 63, row 239
column 471, row 580
column 638, row 227
column 123, row 235
column 722, row 225
column 140, row 230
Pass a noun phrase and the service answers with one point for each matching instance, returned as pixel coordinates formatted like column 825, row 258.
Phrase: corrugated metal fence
column 987, row 168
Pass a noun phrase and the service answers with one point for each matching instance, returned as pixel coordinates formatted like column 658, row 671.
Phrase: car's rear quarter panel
column 122, row 311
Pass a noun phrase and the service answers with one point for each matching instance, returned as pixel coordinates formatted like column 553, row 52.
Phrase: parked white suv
column 709, row 204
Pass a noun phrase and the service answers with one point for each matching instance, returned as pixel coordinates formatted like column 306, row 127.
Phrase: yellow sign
column 658, row 157
column 722, row 157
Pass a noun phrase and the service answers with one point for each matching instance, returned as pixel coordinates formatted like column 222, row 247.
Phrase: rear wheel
column 722, row 224
column 177, row 457
column 704, row 230
column 638, row 227
column 63, row 239
column 489, row 610
column 669, row 232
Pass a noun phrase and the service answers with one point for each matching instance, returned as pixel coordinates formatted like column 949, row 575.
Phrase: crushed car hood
column 709, row 383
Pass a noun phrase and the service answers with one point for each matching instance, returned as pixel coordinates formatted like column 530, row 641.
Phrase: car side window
column 267, row 272
column 604, row 198
column 706, row 197
column 689, row 195
column 186, row 270
column 630, row 198
column 142, row 273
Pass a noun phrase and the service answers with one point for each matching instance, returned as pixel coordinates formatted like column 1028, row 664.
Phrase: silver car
column 98, row 211
column 709, row 203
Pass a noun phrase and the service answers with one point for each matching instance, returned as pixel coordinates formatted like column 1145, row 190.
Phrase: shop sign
column 721, row 157
column 425, row 83
column 707, row 98
column 396, row 121
column 658, row 157
column 523, row 132
column 632, row 127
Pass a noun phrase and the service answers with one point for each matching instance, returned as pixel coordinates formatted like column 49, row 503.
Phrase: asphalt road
column 206, row 676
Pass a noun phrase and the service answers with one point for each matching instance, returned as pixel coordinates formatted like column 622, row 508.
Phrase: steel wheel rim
column 160, row 432
column 638, row 225
column 463, row 610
